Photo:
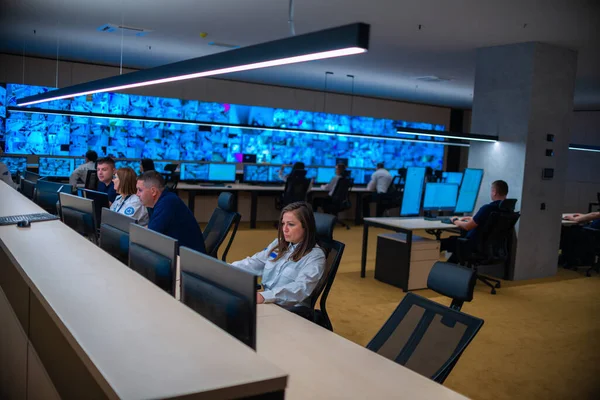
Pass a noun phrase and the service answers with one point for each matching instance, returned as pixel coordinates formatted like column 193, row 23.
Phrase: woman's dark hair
column 304, row 213
column 147, row 165
column 298, row 165
column 341, row 169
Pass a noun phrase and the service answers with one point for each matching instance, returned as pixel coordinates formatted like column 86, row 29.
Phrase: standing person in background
column 80, row 173
column 323, row 202
column 379, row 184
column 146, row 165
column 127, row 202
column 105, row 167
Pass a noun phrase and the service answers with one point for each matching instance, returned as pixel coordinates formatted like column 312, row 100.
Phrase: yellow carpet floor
column 540, row 340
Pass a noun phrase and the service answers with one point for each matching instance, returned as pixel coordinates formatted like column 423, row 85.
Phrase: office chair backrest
column 425, row 336
column 298, row 173
column 28, row 188
column 508, row 205
column 494, row 237
column 334, row 251
column 171, row 176
column 341, row 194
column 296, row 189
column 219, row 225
column 454, row 281
column 78, row 214
column 91, row 179
column 153, row 256
column 114, row 234
column 325, row 224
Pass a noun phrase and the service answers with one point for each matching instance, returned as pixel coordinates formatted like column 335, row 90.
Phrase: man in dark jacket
column 170, row 215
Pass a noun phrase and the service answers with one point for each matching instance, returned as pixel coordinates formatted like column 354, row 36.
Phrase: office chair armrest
column 301, row 311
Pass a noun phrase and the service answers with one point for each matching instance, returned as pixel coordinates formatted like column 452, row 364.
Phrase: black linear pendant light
column 448, row 135
column 329, row 43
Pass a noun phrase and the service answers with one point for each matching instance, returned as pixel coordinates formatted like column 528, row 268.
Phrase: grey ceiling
column 400, row 52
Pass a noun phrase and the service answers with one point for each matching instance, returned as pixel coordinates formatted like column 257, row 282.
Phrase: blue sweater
column 173, row 218
column 109, row 190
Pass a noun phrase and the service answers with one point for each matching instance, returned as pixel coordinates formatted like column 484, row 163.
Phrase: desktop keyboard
column 13, row 219
column 443, row 220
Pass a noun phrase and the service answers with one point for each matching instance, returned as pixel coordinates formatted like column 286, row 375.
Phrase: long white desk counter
column 76, row 323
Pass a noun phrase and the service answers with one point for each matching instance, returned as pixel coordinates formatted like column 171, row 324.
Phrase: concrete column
column 524, row 92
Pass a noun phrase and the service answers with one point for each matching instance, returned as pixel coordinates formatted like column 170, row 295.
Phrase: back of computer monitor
column 28, row 188
column 78, row 213
column 76, row 203
column 223, row 294
column 413, row 191
column 31, row 176
column 100, row 202
column 114, row 234
column 469, row 190
column 118, row 220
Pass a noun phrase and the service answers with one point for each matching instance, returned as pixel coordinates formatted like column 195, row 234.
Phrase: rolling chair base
column 488, row 281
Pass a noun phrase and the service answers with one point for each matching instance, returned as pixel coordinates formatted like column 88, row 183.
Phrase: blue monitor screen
column 15, row 164
column 274, row 173
column 440, row 196
column 60, row 167
column 159, row 166
column 133, row 164
column 221, row 172
column 413, row 191
column 256, row 173
column 324, row 175
column 193, row 172
column 469, row 190
column 452, row 177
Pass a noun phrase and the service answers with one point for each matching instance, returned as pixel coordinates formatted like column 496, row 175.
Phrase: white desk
column 324, row 365
column 101, row 330
column 404, row 225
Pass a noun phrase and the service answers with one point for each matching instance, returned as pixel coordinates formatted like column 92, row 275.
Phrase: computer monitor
column 249, row 158
column 221, row 172
column 221, row 293
column 469, row 190
column 114, row 234
column 100, row 201
column 78, row 213
column 413, row 191
column 31, row 176
column 452, row 177
column 15, row 164
column 440, row 196
column 193, row 172
column 324, row 174
column 59, row 167
column 256, row 173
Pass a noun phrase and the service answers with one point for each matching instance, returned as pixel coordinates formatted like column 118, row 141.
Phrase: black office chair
column 592, row 239
column 153, row 256
column 91, row 179
column 171, row 176
column 592, row 205
column 219, row 225
column 390, row 199
column 428, row 337
column 114, row 234
column 296, row 189
column 493, row 243
column 340, row 199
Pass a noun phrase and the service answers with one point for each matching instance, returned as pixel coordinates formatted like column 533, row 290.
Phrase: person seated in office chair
column 292, row 265
column 170, row 215
column 105, row 167
column 323, row 202
column 146, row 164
column 299, row 165
column 498, row 192
column 80, row 173
column 574, row 243
column 379, row 184
column 127, row 202
column 5, row 174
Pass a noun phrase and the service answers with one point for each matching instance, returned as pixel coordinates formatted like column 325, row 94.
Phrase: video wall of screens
column 56, row 166
column 67, row 135
column 15, row 164
column 207, row 172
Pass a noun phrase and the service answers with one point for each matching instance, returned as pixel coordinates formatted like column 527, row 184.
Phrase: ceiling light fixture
column 471, row 137
column 329, row 43
column 584, row 147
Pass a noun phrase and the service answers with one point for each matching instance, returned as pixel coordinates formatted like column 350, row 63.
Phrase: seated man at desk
column 498, row 192
column 379, row 184
column 323, row 202
column 80, row 173
column 292, row 265
column 171, row 216
column 105, row 167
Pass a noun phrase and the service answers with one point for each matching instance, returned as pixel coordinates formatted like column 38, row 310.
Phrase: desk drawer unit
column 395, row 266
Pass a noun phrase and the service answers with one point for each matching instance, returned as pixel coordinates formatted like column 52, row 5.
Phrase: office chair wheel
column 588, row 273
column 347, row 228
column 497, row 285
column 493, row 291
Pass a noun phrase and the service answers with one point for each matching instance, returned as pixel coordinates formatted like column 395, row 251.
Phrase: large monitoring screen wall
column 69, row 135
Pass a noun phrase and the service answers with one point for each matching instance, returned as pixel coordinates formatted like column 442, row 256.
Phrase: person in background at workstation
column 170, row 215
column 105, row 167
column 576, row 243
column 593, row 217
column 5, row 174
column 498, row 192
column 80, row 173
column 299, row 165
column 323, row 202
column 379, row 184
column 292, row 265
column 127, row 202
column 146, row 165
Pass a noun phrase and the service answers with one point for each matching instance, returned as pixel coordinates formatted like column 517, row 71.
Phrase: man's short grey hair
column 152, row 179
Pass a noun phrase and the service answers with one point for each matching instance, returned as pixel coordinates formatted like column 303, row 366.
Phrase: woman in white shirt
column 292, row 265
column 127, row 201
